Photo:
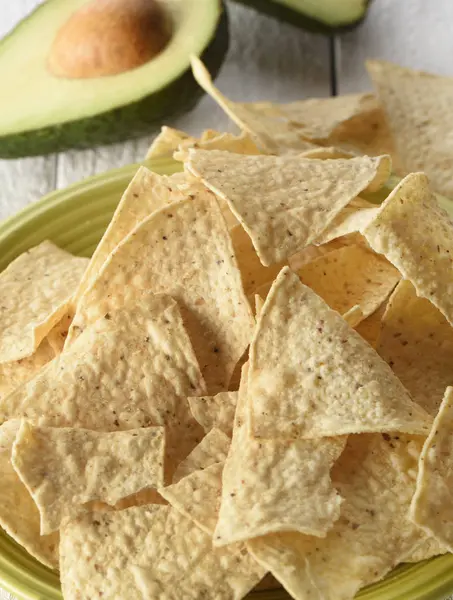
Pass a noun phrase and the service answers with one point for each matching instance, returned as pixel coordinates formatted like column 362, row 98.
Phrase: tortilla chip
column 133, row 368
column 432, row 505
column 324, row 153
column 212, row 449
column 376, row 477
column 275, row 485
column 427, row 549
column 259, row 303
column 152, row 552
column 311, row 375
column 215, row 411
column 351, row 276
column 167, row 142
column 58, row 334
column 35, row 290
column 353, row 316
column 253, row 273
column 239, row 144
column 14, row 374
column 349, row 220
column 370, row 328
column 285, row 202
column 183, row 250
column 146, row 193
column 19, row 516
column 64, row 469
column 417, row 105
column 416, row 340
column 197, row 496
column 354, row 122
column 416, row 235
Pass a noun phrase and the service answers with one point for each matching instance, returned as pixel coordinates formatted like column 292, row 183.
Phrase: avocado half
column 319, row 16
column 41, row 113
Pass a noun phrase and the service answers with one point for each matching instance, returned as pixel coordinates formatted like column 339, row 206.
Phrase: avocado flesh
column 320, row 16
column 40, row 113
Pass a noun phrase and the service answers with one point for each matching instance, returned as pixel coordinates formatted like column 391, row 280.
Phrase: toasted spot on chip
column 285, row 202
column 151, row 552
column 35, row 290
column 416, row 235
column 212, row 449
column 19, row 516
column 416, row 340
column 183, row 250
column 311, row 375
column 65, row 468
column 431, row 507
column 417, row 106
column 132, row 368
column 351, row 276
column 215, row 411
column 275, row 485
column 376, row 477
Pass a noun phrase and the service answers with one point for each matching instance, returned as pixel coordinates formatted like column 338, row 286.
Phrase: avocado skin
column 289, row 15
column 125, row 122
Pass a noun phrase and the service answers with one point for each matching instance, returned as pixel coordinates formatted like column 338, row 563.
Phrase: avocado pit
column 107, row 37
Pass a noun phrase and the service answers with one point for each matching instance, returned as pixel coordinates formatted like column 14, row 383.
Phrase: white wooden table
column 267, row 61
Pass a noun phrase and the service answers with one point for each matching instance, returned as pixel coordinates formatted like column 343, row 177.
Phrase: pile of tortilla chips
column 249, row 380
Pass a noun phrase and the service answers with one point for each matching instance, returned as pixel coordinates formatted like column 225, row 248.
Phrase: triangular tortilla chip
column 354, row 122
column 239, row 144
column 167, row 141
column 370, row 328
column 311, row 375
column 197, row 496
column 432, row 505
column 416, row 340
column 14, row 374
column 151, row 552
column 19, row 516
column 183, row 250
column 427, row 549
column 376, row 477
column 215, row 411
column 212, row 449
column 257, row 499
column 285, row 202
column 35, row 290
column 65, row 468
column 353, row 316
column 349, row 277
column 350, row 220
column 253, row 273
column 133, row 368
column 416, row 235
column 146, row 193
column 417, row 105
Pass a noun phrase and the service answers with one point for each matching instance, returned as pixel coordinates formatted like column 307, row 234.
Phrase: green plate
column 75, row 219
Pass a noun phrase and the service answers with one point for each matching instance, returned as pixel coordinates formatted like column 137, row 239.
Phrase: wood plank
column 413, row 33
column 267, row 60
column 24, row 180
